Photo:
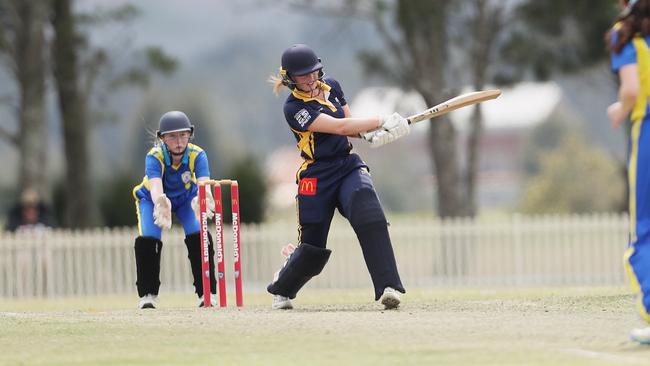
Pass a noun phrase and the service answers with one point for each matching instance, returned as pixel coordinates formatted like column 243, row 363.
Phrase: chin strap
column 167, row 155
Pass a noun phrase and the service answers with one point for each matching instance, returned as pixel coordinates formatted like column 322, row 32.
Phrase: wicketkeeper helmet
column 174, row 121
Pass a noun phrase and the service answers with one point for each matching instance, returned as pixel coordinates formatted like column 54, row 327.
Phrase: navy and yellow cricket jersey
column 300, row 111
column 332, row 178
column 179, row 181
column 637, row 257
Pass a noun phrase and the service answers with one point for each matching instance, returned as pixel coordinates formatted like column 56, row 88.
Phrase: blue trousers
column 637, row 256
column 181, row 207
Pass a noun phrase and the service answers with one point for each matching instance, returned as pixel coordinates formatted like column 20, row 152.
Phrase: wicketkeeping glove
column 162, row 212
column 209, row 203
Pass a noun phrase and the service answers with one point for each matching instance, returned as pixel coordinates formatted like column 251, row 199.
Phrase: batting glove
column 397, row 125
column 162, row 212
column 369, row 135
column 382, row 138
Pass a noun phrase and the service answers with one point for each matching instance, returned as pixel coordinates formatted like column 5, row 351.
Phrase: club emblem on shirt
column 302, row 117
column 186, row 177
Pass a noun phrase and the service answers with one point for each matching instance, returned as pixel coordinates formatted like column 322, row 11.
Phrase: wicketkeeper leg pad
column 304, row 263
column 193, row 243
column 147, row 263
column 369, row 223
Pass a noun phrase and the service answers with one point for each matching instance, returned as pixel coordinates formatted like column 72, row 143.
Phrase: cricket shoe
column 390, row 298
column 213, row 300
column 641, row 335
column 281, row 303
column 148, row 301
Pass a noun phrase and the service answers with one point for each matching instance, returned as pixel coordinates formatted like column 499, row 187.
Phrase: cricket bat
column 454, row 103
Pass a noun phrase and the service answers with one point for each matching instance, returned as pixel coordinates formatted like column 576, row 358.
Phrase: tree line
column 45, row 44
column 432, row 47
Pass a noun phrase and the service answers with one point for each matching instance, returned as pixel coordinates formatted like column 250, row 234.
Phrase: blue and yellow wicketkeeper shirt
column 637, row 52
column 179, row 181
column 637, row 256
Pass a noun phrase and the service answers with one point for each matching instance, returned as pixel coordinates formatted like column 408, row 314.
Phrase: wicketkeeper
column 172, row 169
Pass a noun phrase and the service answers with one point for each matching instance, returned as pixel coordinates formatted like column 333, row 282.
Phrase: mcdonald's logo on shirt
column 307, row 186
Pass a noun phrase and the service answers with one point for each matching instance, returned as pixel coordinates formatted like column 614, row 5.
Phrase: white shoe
column 641, row 335
column 148, row 301
column 281, row 303
column 213, row 300
column 390, row 298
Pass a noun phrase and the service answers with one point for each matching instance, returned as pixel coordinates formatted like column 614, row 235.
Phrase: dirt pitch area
column 560, row 326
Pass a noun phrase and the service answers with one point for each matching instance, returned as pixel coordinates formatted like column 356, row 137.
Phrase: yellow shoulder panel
column 194, row 150
column 157, row 152
column 643, row 64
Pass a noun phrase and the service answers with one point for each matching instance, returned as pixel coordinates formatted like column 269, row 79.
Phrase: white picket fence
column 518, row 251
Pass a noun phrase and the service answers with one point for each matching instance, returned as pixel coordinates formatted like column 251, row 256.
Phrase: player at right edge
column 630, row 58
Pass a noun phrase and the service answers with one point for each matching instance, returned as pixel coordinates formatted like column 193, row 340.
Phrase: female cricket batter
column 172, row 169
column 630, row 57
column 332, row 178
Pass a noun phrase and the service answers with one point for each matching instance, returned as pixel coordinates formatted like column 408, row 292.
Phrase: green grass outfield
column 542, row 326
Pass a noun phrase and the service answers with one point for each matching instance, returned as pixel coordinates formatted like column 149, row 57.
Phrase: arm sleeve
column 337, row 90
column 299, row 115
column 201, row 166
column 152, row 168
column 627, row 55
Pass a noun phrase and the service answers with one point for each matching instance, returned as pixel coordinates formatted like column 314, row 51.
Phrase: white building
column 507, row 123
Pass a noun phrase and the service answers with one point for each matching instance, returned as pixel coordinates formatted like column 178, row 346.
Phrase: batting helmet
column 174, row 121
column 298, row 60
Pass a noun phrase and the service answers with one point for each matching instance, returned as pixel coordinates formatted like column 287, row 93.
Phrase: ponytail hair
column 276, row 82
column 632, row 22
column 153, row 137
column 282, row 79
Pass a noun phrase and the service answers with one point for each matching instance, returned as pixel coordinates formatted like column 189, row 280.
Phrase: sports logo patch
column 302, row 117
column 307, row 186
column 186, row 177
